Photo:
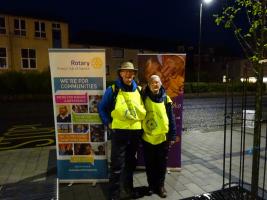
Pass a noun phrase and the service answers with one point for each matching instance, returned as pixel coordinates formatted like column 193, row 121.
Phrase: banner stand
column 78, row 80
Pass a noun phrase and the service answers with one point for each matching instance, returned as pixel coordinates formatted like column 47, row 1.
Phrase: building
column 114, row 57
column 120, row 47
column 24, row 41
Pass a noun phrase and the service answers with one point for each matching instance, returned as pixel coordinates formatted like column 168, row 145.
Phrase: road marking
column 31, row 133
column 28, row 125
column 29, row 130
column 27, row 137
column 49, row 141
column 5, row 143
column 23, row 135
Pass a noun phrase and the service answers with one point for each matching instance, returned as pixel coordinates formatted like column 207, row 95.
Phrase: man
column 63, row 115
column 122, row 110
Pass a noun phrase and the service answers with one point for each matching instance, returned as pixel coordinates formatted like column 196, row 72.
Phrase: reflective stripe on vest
column 129, row 111
column 156, row 123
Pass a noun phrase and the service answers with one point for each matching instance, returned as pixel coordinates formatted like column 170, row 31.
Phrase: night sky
column 173, row 20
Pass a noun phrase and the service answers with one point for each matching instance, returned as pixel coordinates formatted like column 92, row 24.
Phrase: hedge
column 16, row 83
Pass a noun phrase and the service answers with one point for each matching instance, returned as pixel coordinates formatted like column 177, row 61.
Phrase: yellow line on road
column 29, row 130
column 28, row 137
column 26, row 125
column 30, row 133
column 49, row 141
column 5, row 143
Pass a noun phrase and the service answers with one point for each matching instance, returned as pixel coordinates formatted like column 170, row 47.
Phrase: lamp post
column 199, row 39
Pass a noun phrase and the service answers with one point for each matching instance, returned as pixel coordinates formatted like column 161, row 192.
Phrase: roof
column 34, row 14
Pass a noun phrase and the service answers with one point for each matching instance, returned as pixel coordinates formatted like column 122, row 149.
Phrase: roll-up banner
column 78, row 82
column 171, row 69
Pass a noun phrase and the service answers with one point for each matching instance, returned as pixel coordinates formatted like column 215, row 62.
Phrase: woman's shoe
column 162, row 192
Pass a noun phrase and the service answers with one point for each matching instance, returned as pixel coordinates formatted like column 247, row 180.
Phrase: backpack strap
column 115, row 90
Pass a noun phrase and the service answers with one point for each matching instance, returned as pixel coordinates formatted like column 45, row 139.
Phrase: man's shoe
column 135, row 194
column 132, row 193
column 162, row 192
column 150, row 191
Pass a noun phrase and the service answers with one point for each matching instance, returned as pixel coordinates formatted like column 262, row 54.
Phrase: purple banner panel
column 174, row 160
column 171, row 70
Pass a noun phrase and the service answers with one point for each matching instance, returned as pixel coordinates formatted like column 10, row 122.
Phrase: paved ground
column 30, row 173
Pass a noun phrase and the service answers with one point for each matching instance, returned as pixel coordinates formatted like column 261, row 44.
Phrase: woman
column 159, row 133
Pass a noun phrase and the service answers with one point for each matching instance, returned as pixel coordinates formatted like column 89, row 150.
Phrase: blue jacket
column 107, row 104
column 171, row 135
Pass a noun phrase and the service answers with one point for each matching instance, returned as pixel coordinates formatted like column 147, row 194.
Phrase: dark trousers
column 156, row 157
column 124, row 144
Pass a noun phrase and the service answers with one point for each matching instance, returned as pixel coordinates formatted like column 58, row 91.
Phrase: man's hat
column 128, row 66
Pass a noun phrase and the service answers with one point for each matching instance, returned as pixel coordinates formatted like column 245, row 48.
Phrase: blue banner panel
column 78, row 83
column 96, row 170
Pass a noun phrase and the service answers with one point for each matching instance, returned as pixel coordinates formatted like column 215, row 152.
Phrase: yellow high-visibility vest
column 129, row 111
column 156, row 123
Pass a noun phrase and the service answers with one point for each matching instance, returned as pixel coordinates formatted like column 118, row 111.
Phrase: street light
column 199, row 39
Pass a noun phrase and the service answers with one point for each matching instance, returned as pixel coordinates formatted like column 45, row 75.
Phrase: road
column 26, row 124
column 30, row 124
column 209, row 112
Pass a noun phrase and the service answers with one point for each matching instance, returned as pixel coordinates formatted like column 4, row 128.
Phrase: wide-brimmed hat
column 128, row 66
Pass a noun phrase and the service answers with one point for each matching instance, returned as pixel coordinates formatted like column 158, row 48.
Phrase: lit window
column 28, row 58
column 39, row 29
column 3, row 58
column 2, row 25
column 20, row 27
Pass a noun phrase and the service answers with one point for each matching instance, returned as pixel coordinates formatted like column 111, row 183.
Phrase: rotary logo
column 151, row 124
column 97, row 62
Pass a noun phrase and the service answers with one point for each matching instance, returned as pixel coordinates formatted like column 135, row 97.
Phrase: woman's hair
column 154, row 77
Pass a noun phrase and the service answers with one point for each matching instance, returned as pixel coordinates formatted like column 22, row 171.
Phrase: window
column 19, row 27
column 2, row 25
column 28, row 58
column 56, row 35
column 39, row 29
column 3, row 58
column 55, row 26
column 117, row 53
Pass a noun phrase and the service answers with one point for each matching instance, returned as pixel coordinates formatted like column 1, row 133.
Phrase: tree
column 252, row 36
